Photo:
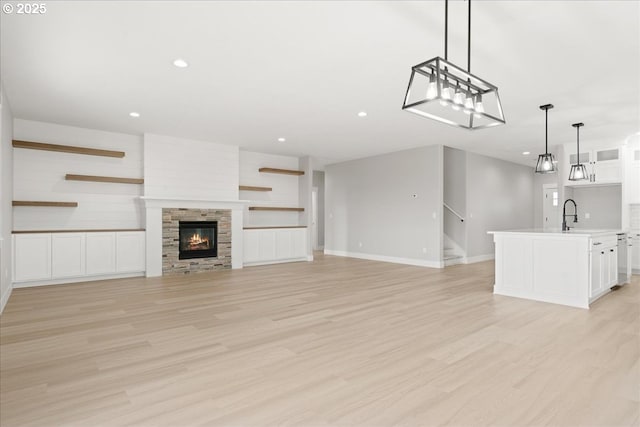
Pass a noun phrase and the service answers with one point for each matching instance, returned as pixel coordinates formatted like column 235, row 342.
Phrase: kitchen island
column 572, row 268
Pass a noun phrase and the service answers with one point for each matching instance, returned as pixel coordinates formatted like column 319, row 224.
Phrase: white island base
column 571, row 268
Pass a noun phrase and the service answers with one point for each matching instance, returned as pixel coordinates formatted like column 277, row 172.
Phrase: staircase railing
column 454, row 212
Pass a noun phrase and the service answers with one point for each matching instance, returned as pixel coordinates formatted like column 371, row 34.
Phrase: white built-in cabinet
column 31, row 257
column 54, row 257
column 633, row 173
column 270, row 245
column 101, row 253
column 604, row 165
column 68, row 255
column 130, row 254
column 604, row 265
column 635, row 252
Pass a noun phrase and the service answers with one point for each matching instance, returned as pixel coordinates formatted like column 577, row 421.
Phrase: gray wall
column 369, row 201
column 499, row 197
column 6, row 195
column 455, row 194
column 603, row 204
column 318, row 182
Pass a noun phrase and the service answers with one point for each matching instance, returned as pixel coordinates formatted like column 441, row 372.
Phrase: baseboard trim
column 478, row 258
column 280, row 261
column 4, row 299
column 384, row 258
column 70, row 280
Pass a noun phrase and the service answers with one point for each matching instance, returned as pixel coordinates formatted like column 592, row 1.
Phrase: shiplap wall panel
column 189, row 169
column 284, row 188
column 39, row 175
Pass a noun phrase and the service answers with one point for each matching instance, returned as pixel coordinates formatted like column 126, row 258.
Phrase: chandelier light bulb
column 432, row 89
column 468, row 102
column 457, row 97
column 479, row 106
column 546, row 165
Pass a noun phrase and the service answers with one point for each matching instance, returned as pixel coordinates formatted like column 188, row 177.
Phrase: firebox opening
column 198, row 239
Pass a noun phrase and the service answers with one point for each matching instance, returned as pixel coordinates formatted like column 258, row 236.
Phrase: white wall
column 318, row 182
column 189, row 169
column 284, row 193
column 6, row 196
column 602, row 204
column 371, row 211
column 455, row 194
column 499, row 197
column 40, row 175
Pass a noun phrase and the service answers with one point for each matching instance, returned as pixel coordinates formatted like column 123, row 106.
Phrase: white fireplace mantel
column 153, row 209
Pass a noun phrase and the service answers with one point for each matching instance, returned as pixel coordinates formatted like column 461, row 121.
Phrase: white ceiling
column 304, row 69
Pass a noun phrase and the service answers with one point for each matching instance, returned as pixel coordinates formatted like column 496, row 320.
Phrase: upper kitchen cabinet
column 632, row 175
column 604, row 165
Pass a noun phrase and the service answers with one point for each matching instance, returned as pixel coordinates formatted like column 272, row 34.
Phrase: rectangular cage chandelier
column 442, row 91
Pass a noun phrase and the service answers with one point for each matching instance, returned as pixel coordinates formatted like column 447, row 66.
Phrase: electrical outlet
column 434, row 215
column 359, row 244
column 587, row 215
column 424, row 250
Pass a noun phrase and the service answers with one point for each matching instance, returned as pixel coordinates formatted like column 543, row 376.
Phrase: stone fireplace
column 195, row 240
column 162, row 219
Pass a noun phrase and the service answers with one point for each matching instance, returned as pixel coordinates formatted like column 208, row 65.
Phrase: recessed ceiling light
column 526, row 153
column 134, row 114
column 281, row 140
column 362, row 114
column 180, row 63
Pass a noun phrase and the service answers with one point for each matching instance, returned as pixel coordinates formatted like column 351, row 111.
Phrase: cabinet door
column 101, row 253
column 130, row 252
column 267, row 245
column 251, row 245
column 607, row 165
column 633, row 181
column 300, row 243
column 596, row 273
column 284, row 244
column 612, row 279
column 32, row 257
column 635, row 253
column 67, row 255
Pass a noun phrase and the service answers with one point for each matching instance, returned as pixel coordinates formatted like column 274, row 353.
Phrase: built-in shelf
column 66, row 149
column 52, row 204
column 281, row 171
column 93, row 178
column 253, row 188
column 275, row 226
column 110, row 230
column 274, row 208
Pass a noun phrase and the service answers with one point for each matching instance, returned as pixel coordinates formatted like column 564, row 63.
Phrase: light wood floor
column 335, row 342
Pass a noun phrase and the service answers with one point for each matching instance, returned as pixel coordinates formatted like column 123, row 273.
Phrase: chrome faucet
column 565, row 227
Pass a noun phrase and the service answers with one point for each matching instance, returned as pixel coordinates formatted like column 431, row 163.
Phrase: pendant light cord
column 546, row 131
column 469, row 38
column 446, row 29
column 578, row 144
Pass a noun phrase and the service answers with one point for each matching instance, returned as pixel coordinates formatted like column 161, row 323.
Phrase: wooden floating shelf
column 274, row 208
column 52, row 204
column 281, row 171
column 76, row 231
column 275, row 226
column 67, row 149
column 252, row 188
column 93, row 178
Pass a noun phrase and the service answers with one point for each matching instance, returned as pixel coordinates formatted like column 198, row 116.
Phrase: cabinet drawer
column 604, row 242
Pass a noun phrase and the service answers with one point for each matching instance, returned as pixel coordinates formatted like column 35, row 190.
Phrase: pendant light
column 442, row 91
column 546, row 162
column 578, row 171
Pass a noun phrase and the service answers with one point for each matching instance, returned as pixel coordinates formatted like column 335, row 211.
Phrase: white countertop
column 557, row 231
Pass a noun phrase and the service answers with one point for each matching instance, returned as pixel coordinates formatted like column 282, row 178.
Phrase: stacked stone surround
column 171, row 241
